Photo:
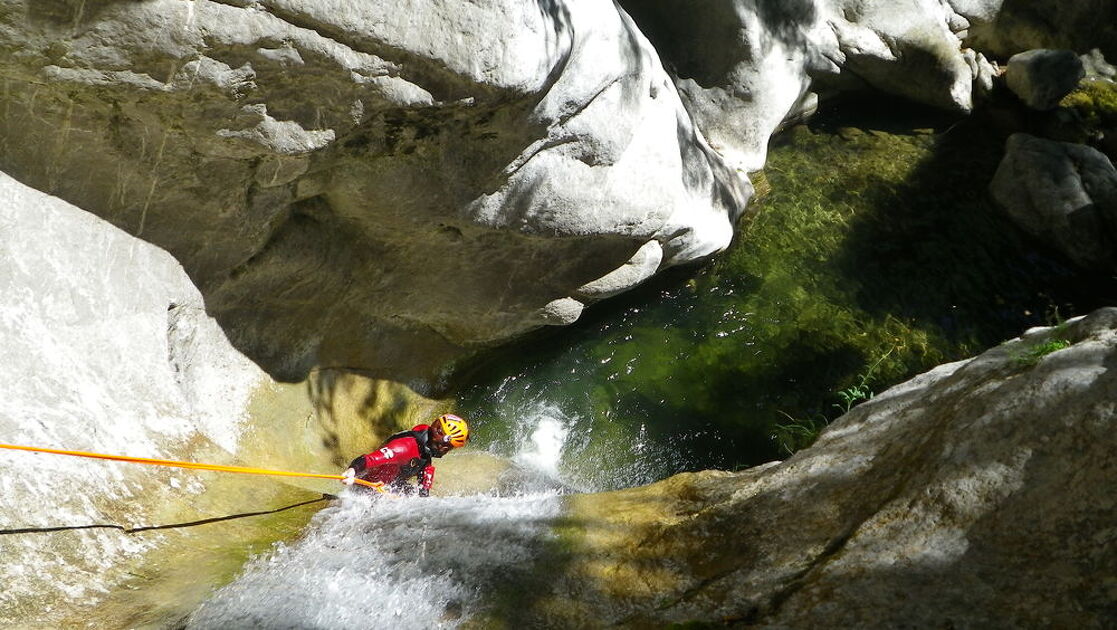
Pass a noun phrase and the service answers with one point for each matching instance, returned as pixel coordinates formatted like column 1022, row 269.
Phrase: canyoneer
column 408, row 454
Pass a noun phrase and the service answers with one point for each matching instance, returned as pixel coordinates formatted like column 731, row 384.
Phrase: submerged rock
column 975, row 495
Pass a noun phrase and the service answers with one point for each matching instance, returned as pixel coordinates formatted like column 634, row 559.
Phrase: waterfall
column 384, row 563
column 374, row 562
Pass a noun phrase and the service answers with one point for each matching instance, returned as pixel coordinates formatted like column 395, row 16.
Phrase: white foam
column 400, row 563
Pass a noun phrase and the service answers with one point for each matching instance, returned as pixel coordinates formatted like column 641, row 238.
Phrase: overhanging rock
column 349, row 190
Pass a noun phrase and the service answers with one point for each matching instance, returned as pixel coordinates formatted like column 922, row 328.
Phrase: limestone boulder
column 976, row 495
column 1041, row 77
column 377, row 186
column 745, row 67
column 1062, row 193
column 1002, row 28
column 106, row 348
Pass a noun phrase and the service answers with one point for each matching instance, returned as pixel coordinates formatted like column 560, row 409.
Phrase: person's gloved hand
column 348, row 477
column 423, row 492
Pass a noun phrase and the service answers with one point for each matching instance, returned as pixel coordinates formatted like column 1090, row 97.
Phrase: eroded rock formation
column 745, row 66
column 1003, row 28
column 976, row 495
column 377, row 186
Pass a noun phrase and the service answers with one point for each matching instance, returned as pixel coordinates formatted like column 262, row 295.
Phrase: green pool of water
column 876, row 255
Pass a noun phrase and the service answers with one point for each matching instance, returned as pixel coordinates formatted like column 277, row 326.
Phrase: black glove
column 424, row 492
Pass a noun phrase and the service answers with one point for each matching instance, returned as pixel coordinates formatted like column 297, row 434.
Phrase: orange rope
column 379, row 487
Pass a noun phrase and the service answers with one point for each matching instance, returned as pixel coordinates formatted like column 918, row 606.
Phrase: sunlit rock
column 348, row 190
column 1097, row 67
column 744, row 67
column 107, row 348
column 978, row 494
column 1062, row 193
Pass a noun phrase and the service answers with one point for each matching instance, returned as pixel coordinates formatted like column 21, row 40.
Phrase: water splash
column 371, row 562
column 542, row 449
column 432, row 563
column 375, row 563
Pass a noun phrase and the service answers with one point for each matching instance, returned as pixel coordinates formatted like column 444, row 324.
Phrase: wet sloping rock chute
column 107, row 348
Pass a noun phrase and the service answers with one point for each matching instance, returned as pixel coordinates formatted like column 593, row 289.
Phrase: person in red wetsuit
column 408, row 454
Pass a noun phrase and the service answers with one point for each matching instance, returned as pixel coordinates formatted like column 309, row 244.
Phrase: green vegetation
column 1033, row 354
column 1056, row 340
column 1095, row 102
column 876, row 255
column 794, row 434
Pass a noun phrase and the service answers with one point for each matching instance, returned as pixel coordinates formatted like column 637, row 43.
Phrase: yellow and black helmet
column 454, row 428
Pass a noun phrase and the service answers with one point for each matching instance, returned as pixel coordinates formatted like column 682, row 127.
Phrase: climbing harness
column 379, row 487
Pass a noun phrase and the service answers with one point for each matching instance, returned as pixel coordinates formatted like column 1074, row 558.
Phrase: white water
column 370, row 562
column 542, row 449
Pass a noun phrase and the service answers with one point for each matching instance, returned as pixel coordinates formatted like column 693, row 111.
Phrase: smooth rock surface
column 1062, row 193
column 744, row 67
column 1041, row 77
column 1002, row 28
column 349, row 190
column 977, row 495
column 107, row 348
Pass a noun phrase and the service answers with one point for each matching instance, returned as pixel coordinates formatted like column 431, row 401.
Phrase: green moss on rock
column 1096, row 102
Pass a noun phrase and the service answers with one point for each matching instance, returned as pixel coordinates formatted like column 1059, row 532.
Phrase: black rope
column 147, row 528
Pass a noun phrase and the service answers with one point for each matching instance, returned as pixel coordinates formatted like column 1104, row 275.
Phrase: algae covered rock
column 975, row 495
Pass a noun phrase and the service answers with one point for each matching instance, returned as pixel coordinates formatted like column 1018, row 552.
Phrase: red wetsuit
column 403, row 456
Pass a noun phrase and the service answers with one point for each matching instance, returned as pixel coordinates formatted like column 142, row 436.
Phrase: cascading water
column 372, row 562
column 377, row 563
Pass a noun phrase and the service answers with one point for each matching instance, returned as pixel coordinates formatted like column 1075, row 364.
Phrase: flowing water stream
column 371, row 562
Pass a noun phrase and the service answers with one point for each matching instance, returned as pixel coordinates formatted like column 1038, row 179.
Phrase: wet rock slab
column 976, row 495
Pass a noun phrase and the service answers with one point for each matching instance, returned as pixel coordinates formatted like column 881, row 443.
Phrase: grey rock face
column 350, row 189
column 977, row 495
column 977, row 11
column 1041, row 78
column 106, row 348
column 746, row 66
column 1063, row 193
column 1001, row 28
